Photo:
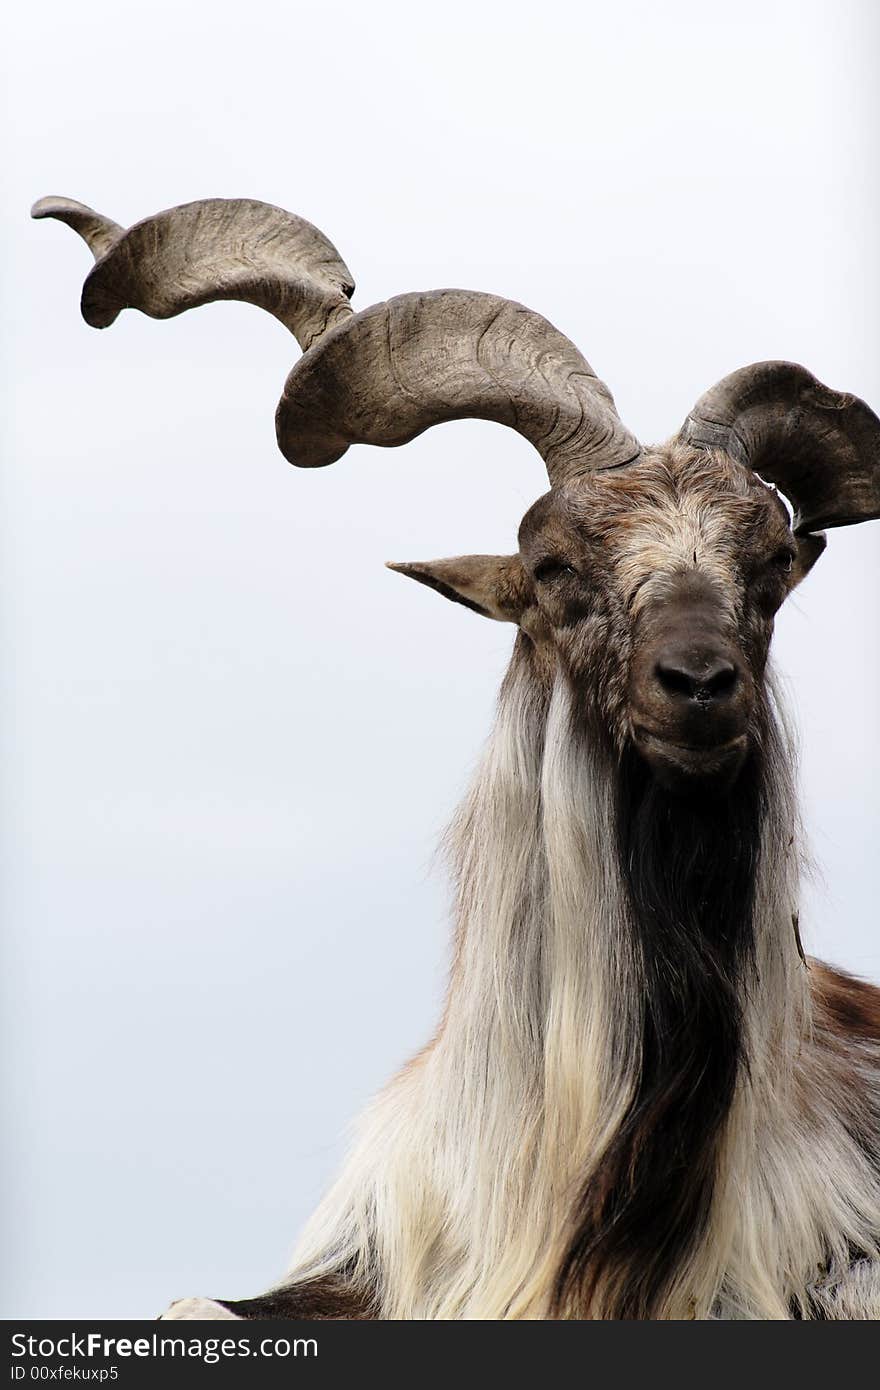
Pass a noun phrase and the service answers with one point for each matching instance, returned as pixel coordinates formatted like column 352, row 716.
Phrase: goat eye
column 784, row 560
column 552, row 569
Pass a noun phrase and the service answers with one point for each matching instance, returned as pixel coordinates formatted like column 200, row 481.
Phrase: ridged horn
column 380, row 377
column 219, row 248
column 421, row 359
column 820, row 447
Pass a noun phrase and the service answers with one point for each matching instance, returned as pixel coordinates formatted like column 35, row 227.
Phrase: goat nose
column 705, row 679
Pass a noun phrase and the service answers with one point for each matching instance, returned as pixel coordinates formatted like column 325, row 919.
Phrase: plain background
column 230, row 737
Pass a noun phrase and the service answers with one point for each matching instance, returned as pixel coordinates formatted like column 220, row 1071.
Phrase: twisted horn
column 379, row 377
column 420, row 359
column 220, row 248
column 821, row 447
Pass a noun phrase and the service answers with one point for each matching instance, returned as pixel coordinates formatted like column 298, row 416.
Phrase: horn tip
column 47, row 207
column 55, row 206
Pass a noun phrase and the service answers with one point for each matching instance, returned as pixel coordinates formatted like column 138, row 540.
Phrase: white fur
column 198, row 1310
column 456, row 1198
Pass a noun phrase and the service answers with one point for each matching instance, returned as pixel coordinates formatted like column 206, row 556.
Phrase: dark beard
column 688, row 868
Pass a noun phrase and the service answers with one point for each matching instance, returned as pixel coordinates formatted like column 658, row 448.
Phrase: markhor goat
column 641, row 1101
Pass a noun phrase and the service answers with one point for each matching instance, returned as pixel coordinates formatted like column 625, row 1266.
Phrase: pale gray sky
column 230, row 736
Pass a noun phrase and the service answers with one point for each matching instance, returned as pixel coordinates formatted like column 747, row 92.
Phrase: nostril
column 702, row 681
column 720, row 680
column 675, row 680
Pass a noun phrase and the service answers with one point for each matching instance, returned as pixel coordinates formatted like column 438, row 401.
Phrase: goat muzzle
column 691, row 695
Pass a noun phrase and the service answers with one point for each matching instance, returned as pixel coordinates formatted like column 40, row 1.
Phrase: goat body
column 642, row 1100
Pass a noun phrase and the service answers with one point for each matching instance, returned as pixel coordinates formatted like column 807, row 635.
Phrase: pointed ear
column 492, row 585
column 809, row 548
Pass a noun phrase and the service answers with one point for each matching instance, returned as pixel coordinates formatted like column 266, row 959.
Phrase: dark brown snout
column 699, row 674
column 690, row 691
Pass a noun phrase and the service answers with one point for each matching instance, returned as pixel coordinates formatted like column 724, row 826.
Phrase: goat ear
column 809, row 548
column 493, row 585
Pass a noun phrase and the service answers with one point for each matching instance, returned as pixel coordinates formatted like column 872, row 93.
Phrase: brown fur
column 314, row 1300
column 847, row 1005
